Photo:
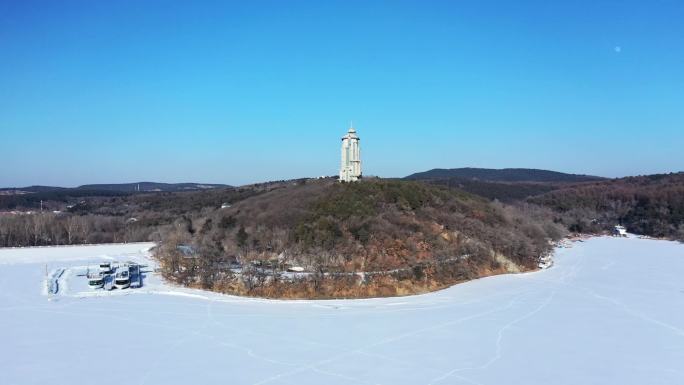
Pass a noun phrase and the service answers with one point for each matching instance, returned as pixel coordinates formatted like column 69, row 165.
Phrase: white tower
column 350, row 169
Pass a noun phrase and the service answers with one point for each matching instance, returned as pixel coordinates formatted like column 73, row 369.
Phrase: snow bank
column 52, row 281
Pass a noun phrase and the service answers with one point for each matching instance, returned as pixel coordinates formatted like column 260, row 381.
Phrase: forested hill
column 29, row 189
column 124, row 187
column 405, row 237
column 650, row 205
column 502, row 175
column 152, row 186
column 55, row 198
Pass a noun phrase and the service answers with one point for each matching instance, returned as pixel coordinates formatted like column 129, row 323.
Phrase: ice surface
column 609, row 311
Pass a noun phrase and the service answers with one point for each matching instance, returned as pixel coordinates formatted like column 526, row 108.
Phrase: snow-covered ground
column 609, row 311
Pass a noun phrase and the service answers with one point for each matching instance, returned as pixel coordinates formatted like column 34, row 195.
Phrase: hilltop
column 126, row 187
column 506, row 185
column 375, row 237
column 152, row 186
column 502, row 175
column 30, row 197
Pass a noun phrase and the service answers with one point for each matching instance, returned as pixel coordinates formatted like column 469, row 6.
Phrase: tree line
column 43, row 229
column 650, row 205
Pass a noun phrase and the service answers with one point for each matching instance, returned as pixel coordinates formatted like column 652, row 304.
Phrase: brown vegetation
column 374, row 238
column 650, row 205
column 82, row 219
column 406, row 237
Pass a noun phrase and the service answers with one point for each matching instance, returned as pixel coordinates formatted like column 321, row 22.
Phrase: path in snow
column 610, row 311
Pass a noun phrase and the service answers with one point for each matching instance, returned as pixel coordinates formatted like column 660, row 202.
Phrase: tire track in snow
column 388, row 340
column 499, row 341
column 173, row 346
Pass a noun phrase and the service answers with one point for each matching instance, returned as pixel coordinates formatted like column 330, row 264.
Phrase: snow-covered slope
column 610, row 311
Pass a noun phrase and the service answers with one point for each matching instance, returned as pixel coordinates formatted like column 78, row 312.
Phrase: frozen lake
column 610, row 311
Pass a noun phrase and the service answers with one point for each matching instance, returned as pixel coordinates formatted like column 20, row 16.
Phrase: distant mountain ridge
column 119, row 187
column 503, row 175
column 29, row 189
column 152, row 186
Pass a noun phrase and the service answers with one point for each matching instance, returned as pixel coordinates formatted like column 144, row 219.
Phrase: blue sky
column 240, row 92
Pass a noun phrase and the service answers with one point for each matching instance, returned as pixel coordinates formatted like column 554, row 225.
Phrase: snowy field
column 610, row 311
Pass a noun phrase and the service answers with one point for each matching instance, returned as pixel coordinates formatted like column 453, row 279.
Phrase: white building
column 350, row 169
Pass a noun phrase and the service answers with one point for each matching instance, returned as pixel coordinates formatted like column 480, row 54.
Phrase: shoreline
column 404, row 289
